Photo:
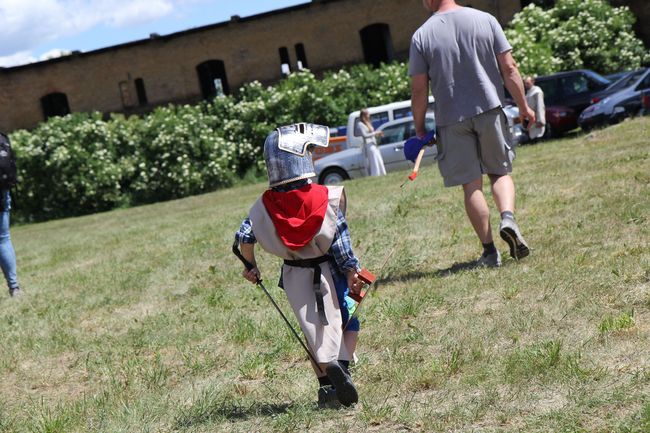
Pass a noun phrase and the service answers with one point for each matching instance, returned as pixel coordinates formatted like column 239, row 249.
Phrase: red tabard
column 297, row 215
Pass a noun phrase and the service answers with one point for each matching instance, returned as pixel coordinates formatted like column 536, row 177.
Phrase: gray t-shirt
column 458, row 50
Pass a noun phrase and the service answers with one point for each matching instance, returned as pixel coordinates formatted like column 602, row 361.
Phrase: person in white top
column 374, row 161
column 535, row 99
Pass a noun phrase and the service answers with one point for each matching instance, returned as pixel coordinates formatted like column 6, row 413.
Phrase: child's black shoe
column 327, row 397
column 342, row 381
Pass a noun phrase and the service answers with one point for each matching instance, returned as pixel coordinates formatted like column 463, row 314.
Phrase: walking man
column 465, row 57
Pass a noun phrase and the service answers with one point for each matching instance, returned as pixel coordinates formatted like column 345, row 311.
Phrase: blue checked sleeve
column 341, row 249
column 245, row 233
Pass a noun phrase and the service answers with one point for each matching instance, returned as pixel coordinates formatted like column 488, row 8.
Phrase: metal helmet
column 287, row 151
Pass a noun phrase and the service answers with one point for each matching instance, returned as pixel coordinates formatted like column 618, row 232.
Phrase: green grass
column 138, row 320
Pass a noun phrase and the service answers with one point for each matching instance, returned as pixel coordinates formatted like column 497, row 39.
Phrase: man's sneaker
column 342, row 381
column 14, row 291
column 327, row 397
column 509, row 231
column 490, row 260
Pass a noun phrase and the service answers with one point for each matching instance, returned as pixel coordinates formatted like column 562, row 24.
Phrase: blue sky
column 32, row 30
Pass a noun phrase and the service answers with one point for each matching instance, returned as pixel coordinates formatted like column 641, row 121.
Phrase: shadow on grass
column 228, row 411
column 453, row 269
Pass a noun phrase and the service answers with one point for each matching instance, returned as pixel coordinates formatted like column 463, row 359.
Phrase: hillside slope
column 138, row 320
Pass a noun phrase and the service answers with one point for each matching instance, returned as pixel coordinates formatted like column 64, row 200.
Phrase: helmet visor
column 301, row 137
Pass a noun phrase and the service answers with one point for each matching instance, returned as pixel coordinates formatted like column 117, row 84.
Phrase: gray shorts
column 474, row 147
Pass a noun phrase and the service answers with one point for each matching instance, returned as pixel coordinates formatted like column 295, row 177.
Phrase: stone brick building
column 201, row 62
column 205, row 61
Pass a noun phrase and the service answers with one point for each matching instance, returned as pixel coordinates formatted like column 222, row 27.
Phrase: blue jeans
column 7, row 254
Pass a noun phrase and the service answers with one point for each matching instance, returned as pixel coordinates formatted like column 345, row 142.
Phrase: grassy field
column 138, row 320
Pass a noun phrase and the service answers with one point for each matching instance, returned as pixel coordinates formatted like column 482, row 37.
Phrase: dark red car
column 559, row 119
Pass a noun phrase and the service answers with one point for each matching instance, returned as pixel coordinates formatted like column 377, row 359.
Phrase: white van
column 378, row 116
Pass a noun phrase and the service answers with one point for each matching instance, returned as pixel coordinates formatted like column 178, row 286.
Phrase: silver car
column 518, row 132
column 350, row 163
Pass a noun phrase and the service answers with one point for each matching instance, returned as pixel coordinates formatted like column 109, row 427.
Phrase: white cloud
column 53, row 54
column 25, row 24
column 120, row 13
column 19, row 58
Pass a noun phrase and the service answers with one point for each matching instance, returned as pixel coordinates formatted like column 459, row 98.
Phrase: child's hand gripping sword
column 249, row 266
column 414, row 149
column 369, row 279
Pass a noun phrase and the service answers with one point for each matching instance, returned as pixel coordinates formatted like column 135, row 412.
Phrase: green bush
column 576, row 34
column 80, row 163
column 71, row 165
column 180, row 152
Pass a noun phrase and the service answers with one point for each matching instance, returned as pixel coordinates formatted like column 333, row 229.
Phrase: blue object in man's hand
column 413, row 145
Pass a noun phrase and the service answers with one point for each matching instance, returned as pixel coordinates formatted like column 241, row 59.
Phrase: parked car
column 645, row 102
column 626, row 102
column 378, row 116
column 566, row 94
column 616, row 76
column 350, row 163
column 573, row 89
column 559, row 119
column 622, row 82
column 517, row 130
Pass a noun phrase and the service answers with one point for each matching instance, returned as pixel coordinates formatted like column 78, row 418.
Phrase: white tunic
column 374, row 161
column 535, row 100
column 325, row 341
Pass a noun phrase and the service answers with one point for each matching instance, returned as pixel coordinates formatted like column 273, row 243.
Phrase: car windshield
column 597, row 77
column 571, row 85
column 395, row 133
column 627, row 80
column 403, row 131
column 550, row 90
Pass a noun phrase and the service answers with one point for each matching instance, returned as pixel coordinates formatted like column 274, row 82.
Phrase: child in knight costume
column 304, row 224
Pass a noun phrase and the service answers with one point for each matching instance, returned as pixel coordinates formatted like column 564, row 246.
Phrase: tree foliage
column 576, row 34
column 81, row 163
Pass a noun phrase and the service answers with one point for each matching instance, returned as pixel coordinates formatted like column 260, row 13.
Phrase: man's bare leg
column 477, row 210
column 503, row 191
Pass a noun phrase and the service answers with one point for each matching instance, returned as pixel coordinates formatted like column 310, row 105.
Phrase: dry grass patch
column 138, row 320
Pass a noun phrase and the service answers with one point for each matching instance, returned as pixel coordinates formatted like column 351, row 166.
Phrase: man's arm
column 515, row 85
column 419, row 101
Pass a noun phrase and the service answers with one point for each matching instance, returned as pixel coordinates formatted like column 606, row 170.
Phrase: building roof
column 155, row 37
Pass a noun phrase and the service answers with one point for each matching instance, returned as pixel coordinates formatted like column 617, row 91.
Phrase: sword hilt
column 249, row 266
column 367, row 277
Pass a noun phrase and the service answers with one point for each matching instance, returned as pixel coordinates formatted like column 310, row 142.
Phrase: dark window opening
column 377, row 44
column 213, row 79
column 301, row 56
column 546, row 4
column 141, row 91
column 55, row 104
column 285, row 62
